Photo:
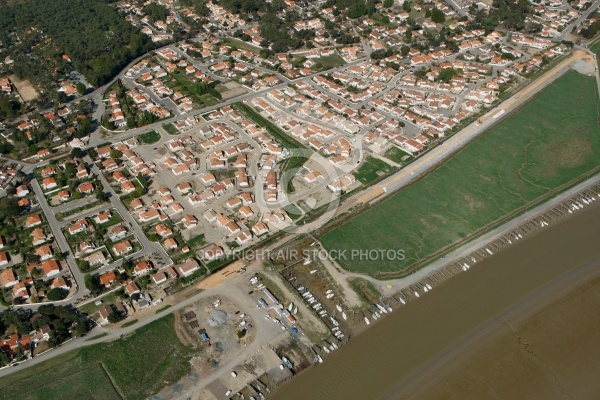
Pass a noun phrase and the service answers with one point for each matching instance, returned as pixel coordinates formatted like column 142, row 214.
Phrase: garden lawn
column 552, row 140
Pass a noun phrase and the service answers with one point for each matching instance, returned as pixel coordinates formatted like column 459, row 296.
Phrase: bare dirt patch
column 25, row 88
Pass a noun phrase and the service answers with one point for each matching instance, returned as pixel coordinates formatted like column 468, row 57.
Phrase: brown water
column 377, row 363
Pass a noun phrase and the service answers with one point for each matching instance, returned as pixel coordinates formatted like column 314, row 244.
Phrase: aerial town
column 231, row 131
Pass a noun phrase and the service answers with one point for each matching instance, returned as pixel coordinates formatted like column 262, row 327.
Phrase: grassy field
column 240, row 44
column 550, row 141
column 371, row 169
column 329, row 62
column 149, row 137
column 139, row 365
column 596, row 49
column 398, row 156
column 171, row 130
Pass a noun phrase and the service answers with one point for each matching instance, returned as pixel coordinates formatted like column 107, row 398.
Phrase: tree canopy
column 98, row 40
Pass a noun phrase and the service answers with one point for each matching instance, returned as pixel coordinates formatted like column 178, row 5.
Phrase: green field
column 329, row 62
column 372, row 169
column 149, row 137
column 170, row 129
column 140, row 365
column 596, row 49
column 398, row 156
column 549, row 142
column 241, row 45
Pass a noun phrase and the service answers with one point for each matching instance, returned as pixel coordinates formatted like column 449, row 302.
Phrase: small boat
column 429, row 286
column 389, row 308
column 335, row 346
column 425, row 289
column 377, row 314
column 338, row 307
column 325, row 349
column 416, row 293
column 291, row 307
column 402, row 300
column 319, row 359
column 489, row 251
column 344, row 316
column 295, row 310
column 367, row 321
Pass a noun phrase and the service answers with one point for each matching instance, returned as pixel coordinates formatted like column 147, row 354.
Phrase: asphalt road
column 403, row 177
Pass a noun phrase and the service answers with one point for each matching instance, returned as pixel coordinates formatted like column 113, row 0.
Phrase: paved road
column 62, row 244
column 115, row 202
column 400, row 179
column 576, row 23
column 391, row 287
column 449, row 147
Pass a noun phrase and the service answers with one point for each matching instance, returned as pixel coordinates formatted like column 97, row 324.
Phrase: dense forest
column 274, row 29
column 94, row 35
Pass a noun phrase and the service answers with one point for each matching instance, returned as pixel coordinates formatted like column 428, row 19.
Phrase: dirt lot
column 249, row 356
column 24, row 88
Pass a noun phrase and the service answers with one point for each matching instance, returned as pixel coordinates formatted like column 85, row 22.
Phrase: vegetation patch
column 273, row 130
column 551, row 141
column 171, row 130
column 397, row 155
column 328, row 62
column 149, row 137
column 365, row 289
column 371, row 170
column 139, row 365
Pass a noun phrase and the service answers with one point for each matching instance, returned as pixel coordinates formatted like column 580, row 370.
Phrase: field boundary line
column 112, row 382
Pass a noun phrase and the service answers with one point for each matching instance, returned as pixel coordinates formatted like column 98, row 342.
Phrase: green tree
column 437, row 15
column 113, row 318
column 446, row 74
column 116, row 154
column 142, row 180
column 76, row 152
column 9, row 207
column 93, row 284
column 55, row 294
column 388, row 3
column 6, row 147
column 102, row 196
column 81, row 89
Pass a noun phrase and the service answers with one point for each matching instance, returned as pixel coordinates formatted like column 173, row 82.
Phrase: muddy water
column 401, row 349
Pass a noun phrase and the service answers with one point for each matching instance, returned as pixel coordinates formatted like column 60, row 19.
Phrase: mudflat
column 552, row 354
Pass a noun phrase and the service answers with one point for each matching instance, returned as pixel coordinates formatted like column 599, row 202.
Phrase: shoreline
column 550, row 290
